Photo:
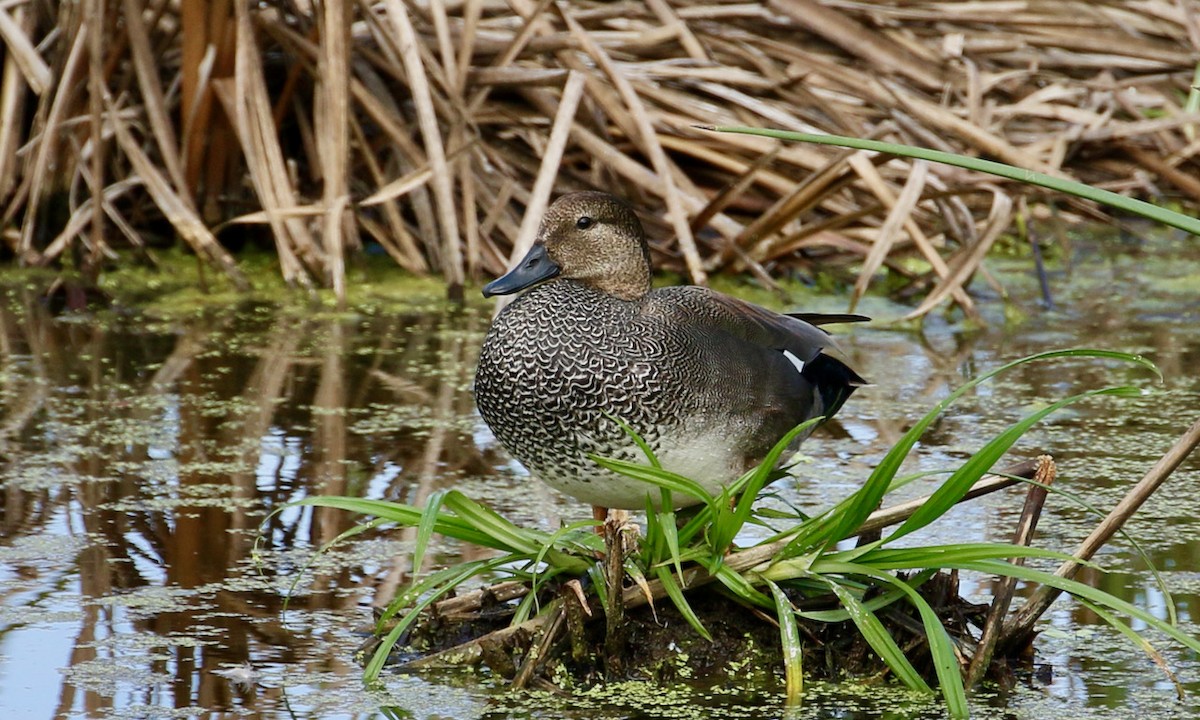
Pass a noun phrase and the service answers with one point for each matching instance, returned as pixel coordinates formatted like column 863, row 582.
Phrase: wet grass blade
column 957, row 485
column 657, row 477
column 793, row 652
column 676, row 594
column 941, row 648
column 1080, row 590
column 429, row 518
column 877, row 636
column 1029, row 177
column 852, row 512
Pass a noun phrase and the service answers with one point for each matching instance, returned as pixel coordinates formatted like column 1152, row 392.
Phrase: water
column 145, row 547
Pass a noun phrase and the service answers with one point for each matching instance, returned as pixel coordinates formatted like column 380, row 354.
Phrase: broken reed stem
column 1026, row 526
column 333, row 120
column 431, row 134
column 616, row 541
column 1019, row 627
column 694, row 576
column 537, row 654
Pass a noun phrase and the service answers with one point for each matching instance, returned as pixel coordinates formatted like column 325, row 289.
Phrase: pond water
column 146, row 550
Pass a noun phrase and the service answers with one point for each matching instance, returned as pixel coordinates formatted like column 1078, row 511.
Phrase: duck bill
column 535, row 267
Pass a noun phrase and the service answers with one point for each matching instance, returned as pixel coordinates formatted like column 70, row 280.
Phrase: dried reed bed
column 439, row 129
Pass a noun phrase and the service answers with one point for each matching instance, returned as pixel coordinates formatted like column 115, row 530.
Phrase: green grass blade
column 429, row 518
column 934, row 556
column 652, row 548
column 596, row 574
column 730, row 525
column 877, row 636
column 401, row 514
column 670, row 535
column 1168, row 599
column 344, row 535
column 503, row 532
column 1080, row 590
column 657, row 477
column 957, row 485
column 866, row 499
column 740, row 586
column 793, row 651
column 451, row 580
column 637, row 440
column 590, row 543
column 941, row 647
column 681, row 603
column 875, row 604
column 1138, row 641
column 1029, row 177
column 524, row 609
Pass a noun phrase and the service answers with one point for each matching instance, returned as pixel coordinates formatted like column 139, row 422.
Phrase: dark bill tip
column 535, row 267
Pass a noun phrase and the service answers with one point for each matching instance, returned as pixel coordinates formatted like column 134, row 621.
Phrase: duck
column 589, row 350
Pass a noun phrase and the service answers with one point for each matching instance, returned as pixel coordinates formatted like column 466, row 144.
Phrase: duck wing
column 701, row 309
column 764, row 338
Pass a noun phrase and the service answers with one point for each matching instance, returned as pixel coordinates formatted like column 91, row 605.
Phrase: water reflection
column 141, row 459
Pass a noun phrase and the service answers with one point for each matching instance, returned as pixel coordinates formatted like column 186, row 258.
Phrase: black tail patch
column 834, row 381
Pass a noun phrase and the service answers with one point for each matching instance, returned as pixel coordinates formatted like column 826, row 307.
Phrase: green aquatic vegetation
column 1028, row 177
column 804, row 560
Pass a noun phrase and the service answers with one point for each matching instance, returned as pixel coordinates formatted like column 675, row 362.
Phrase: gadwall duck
column 710, row 382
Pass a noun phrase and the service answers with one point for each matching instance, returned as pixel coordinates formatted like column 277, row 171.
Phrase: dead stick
column 537, row 654
column 468, row 653
column 1020, row 626
column 616, row 542
column 490, row 595
column 1046, row 472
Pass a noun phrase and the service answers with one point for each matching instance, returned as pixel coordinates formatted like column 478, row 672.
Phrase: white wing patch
column 794, row 360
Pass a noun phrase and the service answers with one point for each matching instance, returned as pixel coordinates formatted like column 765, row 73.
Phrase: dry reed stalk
column 153, row 97
column 539, row 196
column 12, row 105
column 334, row 143
column 97, row 86
column 323, row 118
column 968, row 260
column 247, row 101
column 418, row 82
column 23, row 54
column 177, row 208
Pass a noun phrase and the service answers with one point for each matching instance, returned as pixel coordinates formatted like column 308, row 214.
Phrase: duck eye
column 584, row 222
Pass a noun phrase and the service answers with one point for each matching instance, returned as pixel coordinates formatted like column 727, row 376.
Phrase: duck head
column 590, row 237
